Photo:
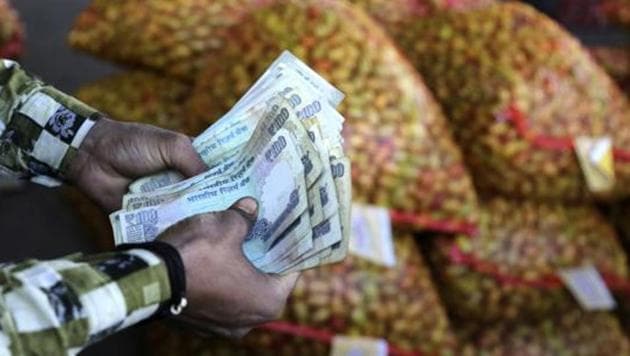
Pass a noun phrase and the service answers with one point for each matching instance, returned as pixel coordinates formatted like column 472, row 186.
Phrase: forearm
column 41, row 128
column 60, row 306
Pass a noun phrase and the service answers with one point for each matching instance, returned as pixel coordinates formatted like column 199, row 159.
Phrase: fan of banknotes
column 280, row 144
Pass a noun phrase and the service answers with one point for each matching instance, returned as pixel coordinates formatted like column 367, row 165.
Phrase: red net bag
column 354, row 297
column 402, row 154
column 510, row 270
column 519, row 90
column 131, row 96
column 574, row 332
column 11, row 32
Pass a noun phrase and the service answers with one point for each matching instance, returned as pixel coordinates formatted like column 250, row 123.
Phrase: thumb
column 246, row 210
column 248, row 207
column 179, row 153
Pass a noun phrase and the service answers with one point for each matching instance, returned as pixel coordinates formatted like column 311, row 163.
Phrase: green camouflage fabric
column 58, row 307
column 41, row 128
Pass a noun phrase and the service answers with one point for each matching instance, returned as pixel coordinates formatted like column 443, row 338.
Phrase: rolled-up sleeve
column 58, row 307
column 41, row 128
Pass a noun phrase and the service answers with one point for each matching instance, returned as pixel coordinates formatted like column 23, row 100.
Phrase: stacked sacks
column 572, row 333
column 356, row 298
column 179, row 37
column 510, row 270
column 134, row 96
column 518, row 90
column 403, row 155
column 401, row 149
column 173, row 37
column 11, row 32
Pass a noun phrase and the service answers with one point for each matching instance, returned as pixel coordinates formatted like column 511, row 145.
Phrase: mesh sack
column 509, row 271
column 574, row 332
column 518, row 90
column 403, row 157
column 131, row 96
column 11, row 32
column 138, row 96
column 354, row 297
column 177, row 37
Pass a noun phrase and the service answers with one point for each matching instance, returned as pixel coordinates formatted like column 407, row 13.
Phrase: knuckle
column 179, row 141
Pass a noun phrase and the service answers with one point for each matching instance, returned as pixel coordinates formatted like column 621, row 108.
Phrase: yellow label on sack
column 371, row 234
column 358, row 346
column 596, row 159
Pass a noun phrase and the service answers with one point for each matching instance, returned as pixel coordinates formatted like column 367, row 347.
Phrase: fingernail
column 247, row 205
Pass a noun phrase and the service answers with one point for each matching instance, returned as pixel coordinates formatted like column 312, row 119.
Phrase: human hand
column 226, row 294
column 114, row 154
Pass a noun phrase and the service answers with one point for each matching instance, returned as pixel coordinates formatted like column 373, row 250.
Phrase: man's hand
column 226, row 294
column 114, row 154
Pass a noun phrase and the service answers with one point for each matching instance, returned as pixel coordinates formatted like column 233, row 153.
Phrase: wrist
column 85, row 152
column 176, row 272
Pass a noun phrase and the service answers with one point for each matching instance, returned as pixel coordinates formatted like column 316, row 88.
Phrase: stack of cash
column 280, row 144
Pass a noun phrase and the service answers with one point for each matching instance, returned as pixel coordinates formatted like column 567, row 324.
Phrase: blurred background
column 520, row 219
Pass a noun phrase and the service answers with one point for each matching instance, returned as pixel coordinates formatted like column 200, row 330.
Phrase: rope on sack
column 516, row 116
column 457, row 256
column 322, row 336
column 430, row 223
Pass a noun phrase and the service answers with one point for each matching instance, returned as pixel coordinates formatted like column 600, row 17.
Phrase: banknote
column 323, row 196
column 276, row 114
column 276, row 182
column 280, row 144
column 234, row 128
column 324, row 236
column 341, row 172
column 310, row 159
column 337, row 251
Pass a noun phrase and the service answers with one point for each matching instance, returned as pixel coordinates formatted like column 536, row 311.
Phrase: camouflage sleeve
column 59, row 307
column 41, row 128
